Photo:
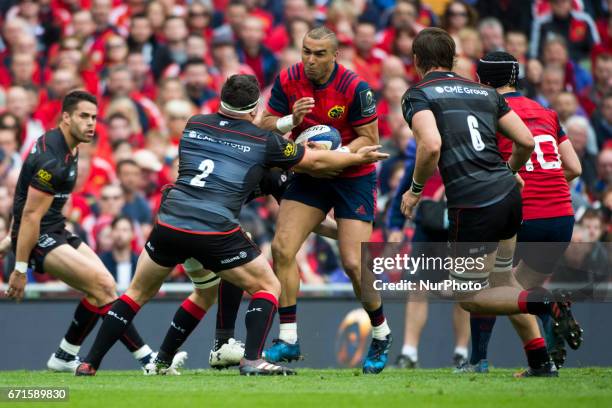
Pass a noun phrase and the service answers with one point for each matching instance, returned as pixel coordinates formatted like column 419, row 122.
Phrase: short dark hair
column 193, row 61
column 126, row 162
column 240, row 91
column 120, row 218
column 324, row 33
column 73, row 98
column 435, row 48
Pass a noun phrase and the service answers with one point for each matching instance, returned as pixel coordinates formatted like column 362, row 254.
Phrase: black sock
column 258, row 321
column 287, row 314
column 481, row 328
column 534, row 301
column 185, row 320
column 229, row 300
column 537, row 355
column 85, row 318
column 113, row 326
column 377, row 317
column 130, row 338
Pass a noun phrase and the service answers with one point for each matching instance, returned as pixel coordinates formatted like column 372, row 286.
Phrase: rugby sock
column 229, row 300
column 131, row 339
column 288, row 324
column 534, row 301
column 411, row 352
column 481, row 328
column 536, row 352
column 184, row 322
column 258, row 321
column 116, row 321
column 85, row 318
column 461, row 351
column 380, row 328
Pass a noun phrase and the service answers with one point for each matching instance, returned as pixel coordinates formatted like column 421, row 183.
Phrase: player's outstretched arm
column 569, row 160
column 328, row 163
column 36, row 206
column 513, row 127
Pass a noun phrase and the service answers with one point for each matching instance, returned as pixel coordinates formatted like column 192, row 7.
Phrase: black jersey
column 221, row 161
column 51, row 168
column 467, row 115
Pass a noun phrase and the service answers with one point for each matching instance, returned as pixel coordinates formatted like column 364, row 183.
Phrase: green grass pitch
column 584, row 387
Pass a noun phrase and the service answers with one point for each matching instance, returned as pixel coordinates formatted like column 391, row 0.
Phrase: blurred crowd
column 154, row 63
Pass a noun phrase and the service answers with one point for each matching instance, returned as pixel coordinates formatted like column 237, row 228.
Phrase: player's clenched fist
column 301, row 108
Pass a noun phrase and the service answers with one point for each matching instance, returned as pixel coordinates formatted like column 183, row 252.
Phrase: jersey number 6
column 474, row 133
column 206, row 167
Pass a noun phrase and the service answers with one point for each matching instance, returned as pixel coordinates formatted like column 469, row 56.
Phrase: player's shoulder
column 347, row 80
column 293, row 73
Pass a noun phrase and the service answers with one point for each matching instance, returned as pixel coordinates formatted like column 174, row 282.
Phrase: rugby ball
column 324, row 135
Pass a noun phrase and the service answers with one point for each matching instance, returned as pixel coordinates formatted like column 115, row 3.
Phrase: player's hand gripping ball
column 324, row 136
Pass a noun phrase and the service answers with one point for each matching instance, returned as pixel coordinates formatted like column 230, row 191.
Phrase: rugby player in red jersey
column 320, row 91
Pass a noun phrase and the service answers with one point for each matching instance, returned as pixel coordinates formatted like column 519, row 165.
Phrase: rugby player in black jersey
column 41, row 241
column 222, row 158
column 455, row 122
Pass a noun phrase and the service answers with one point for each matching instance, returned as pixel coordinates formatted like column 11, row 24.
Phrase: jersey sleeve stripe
column 298, row 71
column 229, row 130
column 364, row 121
column 289, row 74
column 42, row 191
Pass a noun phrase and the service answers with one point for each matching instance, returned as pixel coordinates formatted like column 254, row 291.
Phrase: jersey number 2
column 206, row 167
column 474, row 133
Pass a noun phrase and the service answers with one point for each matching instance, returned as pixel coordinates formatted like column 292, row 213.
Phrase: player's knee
column 281, row 253
column 352, row 267
column 205, row 298
column 105, row 289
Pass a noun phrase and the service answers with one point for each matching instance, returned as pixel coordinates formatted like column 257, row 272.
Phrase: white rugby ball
column 326, row 136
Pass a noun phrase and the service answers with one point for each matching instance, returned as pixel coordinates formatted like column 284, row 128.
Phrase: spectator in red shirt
column 555, row 52
column 198, row 82
column 157, row 14
column 590, row 97
column 62, row 81
column 368, row 58
column 457, row 16
column 253, row 53
column 199, row 20
column 144, row 83
column 17, row 103
column 225, row 59
column 278, row 39
column 404, row 16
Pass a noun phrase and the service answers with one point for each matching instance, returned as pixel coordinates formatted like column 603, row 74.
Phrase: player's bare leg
column 83, row 270
column 416, row 311
column 351, row 233
column 147, row 280
column 461, row 327
column 258, row 279
column 295, row 222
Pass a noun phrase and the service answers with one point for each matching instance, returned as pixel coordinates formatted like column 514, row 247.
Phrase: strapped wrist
column 21, row 267
column 285, row 124
column 510, row 168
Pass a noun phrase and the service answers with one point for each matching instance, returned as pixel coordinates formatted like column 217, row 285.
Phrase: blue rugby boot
column 378, row 354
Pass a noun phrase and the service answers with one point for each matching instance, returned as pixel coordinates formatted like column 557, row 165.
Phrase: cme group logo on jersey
column 352, row 338
column 460, row 90
column 336, row 112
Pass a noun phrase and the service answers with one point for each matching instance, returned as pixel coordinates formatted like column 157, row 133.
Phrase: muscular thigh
column 351, row 233
column 80, row 268
column 295, row 221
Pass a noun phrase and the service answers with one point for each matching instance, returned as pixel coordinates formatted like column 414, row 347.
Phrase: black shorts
column 47, row 242
column 216, row 252
column 485, row 226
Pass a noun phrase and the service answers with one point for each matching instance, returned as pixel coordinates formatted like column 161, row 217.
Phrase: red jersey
column 546, row 193
column 344, row 102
